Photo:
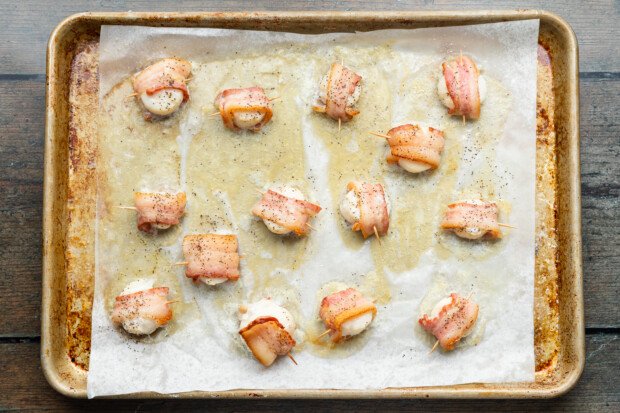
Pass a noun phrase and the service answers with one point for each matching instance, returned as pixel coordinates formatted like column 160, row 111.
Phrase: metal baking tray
column 69, row 179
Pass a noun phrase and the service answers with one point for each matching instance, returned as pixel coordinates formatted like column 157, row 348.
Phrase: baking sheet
column 185, row 359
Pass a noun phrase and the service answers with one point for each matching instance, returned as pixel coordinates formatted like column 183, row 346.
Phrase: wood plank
column 23, row 387
column 22, row 41
column 21, row 160
column 22, row 108
column 600, row 176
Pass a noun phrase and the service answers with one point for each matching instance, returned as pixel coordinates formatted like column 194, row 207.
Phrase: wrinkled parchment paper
column 394, row 352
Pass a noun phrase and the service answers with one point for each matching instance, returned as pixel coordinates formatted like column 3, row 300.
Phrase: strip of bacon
column 341, row 85
column 453, row 321
column 342, row 306
column 171, row 73
column 251, row 99
column 461, row 74
column 149, row 304
column 412, row 143
column 158, row 209
column 292, row 214
column 461, row 215
column 373, row 208
column 267, row 339
column 211, row 256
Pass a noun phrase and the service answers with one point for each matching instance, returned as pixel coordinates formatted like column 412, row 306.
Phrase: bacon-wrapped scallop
column 159, row 210
column 366, row 207
column 162, row 86
column 461, row 88
column 472, row 219
column 415, row 148
column 244, row 109
column 141, row 309
column 211, row 258
column 267, row 329
column 346, row 313
column 284, row 210
column 339, row 91
column 451, row 319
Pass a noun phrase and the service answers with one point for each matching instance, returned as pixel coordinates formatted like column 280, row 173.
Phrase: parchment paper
column 394, row 351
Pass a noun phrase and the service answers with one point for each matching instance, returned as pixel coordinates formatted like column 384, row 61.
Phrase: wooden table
column 24, row 28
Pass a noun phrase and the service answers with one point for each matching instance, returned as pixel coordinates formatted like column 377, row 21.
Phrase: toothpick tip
column 292, row 358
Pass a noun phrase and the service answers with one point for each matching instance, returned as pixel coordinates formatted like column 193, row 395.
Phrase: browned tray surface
column 69, row 194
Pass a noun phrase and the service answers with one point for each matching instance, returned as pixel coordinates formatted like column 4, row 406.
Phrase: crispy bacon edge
column 334, row 322
column 492, row 231
column 438, row 326
column 139, row 297
column 419, row 148
column 169, row 73
column 304, row 208
column 145, row 224
column 232, row 272
column 372, row 214
column 461, row 75
column 341, row 84
column 253, row 335
column 257, row 101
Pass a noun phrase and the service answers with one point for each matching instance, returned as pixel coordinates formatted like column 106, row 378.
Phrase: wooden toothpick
column 374, row 227
column 506, row 225
column 434, row 347
column 381, row 135
column 291, row 357
column 172, row 302
column 214, row 114
column 125, row 207
column 181, row 263
column 130, row 96
column 310, row 226
column 339, row 124
column 275, row 98
column 326, row 332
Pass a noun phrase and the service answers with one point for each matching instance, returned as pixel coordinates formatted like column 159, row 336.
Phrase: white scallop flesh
column 469, row 233
column 140, row 284
column 444, row 96
column 413, row 167
column 213, row 281
column 139, row 325
column 267, row 308
column 247, row 120
column 356, row 325
column 441, row 304
column 349, row 207
column 351, row 100
column 287, row 191
column 163, row 102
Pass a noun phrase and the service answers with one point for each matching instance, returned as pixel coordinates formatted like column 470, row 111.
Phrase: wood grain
column 23, row 386
column 600, row 173
column 22, row 41
column 22, row 108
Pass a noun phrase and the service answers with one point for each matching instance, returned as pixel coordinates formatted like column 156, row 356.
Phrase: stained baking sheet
column 63, row 333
